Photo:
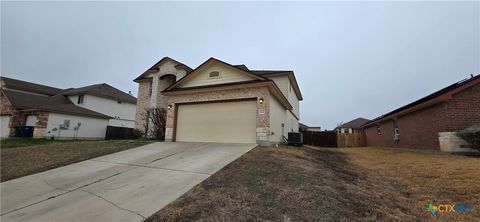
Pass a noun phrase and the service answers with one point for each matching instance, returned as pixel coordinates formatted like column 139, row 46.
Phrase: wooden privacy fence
column 114, row 132
column 320, row 139
column 351, row 139
column 333, row 139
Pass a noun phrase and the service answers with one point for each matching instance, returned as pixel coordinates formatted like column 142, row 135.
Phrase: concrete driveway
column 126, row 186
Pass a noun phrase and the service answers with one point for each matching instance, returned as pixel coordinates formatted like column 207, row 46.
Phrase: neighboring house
column 107, row 100
column 53, row 111
column 219, row 102
column 354, row 126
column 430, row 122
column 303, row 128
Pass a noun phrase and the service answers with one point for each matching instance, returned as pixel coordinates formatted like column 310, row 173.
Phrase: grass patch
column 21, row 142
column 44, row 155
column 348, row 184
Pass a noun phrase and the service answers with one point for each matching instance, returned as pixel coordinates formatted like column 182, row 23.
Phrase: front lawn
column 329, row 184
column 31, row 156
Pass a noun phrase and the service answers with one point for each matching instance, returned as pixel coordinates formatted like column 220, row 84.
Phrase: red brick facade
column 419, row 129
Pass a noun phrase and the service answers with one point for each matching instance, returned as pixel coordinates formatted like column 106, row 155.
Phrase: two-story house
column 220, row 102
column 82, row 113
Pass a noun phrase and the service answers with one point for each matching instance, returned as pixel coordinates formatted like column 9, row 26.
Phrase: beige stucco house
column 220, row 102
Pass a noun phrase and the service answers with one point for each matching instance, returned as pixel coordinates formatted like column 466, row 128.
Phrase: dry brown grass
column 26, row 160
column 350, row 184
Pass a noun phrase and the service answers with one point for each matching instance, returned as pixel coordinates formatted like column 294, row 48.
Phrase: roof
column 258, row 74
column 355, row 124
column 30, row 87
column 302, row 126
column 154, row 68
column 438, row 96
column 211, row 59
column 289, row 73
column 102, row 90
column 57, row 103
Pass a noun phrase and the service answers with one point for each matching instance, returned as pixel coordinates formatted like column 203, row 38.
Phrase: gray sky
column 350, row 59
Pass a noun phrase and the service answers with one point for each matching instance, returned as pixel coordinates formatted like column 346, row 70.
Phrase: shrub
column 471, row 135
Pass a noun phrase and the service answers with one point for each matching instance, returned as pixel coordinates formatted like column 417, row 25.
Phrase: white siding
column 31, row 120
column 227, row 75
column 91, row 128
column 4, row 122
column 123, row 114
column 285, row 86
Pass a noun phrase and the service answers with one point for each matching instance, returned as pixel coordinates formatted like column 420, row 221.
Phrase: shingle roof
column 431, row 97
column 302, row 126
column 30, row 87
column 102, row 90
column 355, row 124
column 154, row 68
column 58, row 103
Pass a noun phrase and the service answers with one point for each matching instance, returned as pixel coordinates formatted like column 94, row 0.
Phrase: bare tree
column 155, row 123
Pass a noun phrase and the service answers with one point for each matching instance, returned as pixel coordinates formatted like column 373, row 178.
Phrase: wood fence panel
column 351, row 139
column 320, row 139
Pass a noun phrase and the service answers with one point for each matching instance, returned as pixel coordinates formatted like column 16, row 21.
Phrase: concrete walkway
column 126, row 186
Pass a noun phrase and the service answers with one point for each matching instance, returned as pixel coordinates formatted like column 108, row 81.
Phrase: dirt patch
column 302, row 184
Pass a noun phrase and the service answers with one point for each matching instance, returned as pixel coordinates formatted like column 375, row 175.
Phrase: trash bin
column 24, row 131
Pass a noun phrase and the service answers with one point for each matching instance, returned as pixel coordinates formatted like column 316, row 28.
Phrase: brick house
column 219, row 102
column 431, row 122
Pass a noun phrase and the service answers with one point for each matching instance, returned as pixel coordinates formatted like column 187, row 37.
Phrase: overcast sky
column 350, row 59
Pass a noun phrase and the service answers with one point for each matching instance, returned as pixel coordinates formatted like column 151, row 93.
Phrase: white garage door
column 226, row 122
column 4, row 130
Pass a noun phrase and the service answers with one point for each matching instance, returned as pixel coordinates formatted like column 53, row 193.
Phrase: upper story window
column 214, row 74
column 80, row 99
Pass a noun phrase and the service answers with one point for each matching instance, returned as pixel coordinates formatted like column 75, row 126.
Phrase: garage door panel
column 233, row 122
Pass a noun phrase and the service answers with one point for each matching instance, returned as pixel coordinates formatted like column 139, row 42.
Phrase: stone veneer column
column 155, row 91
column 40, row 130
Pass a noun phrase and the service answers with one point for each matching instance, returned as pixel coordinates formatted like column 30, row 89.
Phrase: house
column 82, row 113
column 220, row 102
column 430, row 122
column 354, row 126
column 303, row 128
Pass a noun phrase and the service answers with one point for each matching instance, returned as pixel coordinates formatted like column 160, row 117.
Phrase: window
column 289, row 88
column 119, row 102
column 214, row 74
column 80, row 99
column 379, row 130
column 396, row 131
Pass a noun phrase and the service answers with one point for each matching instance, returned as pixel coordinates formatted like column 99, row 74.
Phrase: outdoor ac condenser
column 295, row 138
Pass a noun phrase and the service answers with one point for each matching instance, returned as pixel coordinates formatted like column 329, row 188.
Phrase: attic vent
column 214, row 74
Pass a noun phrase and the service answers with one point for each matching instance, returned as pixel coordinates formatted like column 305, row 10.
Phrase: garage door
column 4, row 130
column 226, row 122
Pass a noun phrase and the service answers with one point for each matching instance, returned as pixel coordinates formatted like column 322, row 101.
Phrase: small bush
column 136, row 134
column 472, row 136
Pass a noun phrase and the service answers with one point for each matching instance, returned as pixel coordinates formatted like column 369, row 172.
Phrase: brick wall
column 462, row 110
column 5, row 106
column 420, row 129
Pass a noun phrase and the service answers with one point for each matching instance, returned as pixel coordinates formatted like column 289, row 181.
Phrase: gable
column 227, row 74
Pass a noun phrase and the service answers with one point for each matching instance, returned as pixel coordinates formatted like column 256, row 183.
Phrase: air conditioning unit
column 396, row 136
column 65, row 125
column 295, row 138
